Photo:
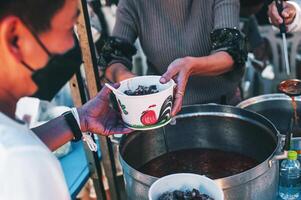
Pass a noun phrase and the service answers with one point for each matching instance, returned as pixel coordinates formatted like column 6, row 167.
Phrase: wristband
column 87, row 137
column 72, row 123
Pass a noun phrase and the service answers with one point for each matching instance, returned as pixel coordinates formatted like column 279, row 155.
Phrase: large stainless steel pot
column 277, row 108
column 209, row 126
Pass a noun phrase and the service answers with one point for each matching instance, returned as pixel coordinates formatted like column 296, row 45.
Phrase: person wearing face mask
column 29, row 39
column 57, row 73
column 61, row 68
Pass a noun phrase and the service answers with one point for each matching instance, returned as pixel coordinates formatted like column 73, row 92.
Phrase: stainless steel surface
column 79, row 92
column 281, row 156
column 277, row 108
column 282, row 28
column 209, row 126
column 285, row 51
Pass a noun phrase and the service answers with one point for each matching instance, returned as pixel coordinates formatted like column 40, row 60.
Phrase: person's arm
column 228, row 51
column 125, row 29
column 118, row 72
column 54, row 133
column 213, row 65
column 182, row 68
column 96, row 116
column 291, row 14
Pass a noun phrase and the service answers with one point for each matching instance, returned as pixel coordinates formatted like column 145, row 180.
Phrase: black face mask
column 51, row 56
column 56, row 73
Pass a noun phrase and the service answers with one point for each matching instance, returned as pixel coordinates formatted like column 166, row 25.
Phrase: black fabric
column 111, row 2
column 254, row 38
column 56, row 74
column 231, row 41
column 115, row 50
column 262, row 15
column 72, row 123
column 251, row 2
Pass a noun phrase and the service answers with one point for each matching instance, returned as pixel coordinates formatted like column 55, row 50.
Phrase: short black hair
column 34, row 13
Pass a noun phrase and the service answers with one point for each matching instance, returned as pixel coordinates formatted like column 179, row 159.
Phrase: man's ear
column 10, row 32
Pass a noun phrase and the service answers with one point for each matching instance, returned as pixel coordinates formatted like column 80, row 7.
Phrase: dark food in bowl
column 142, row 90
column 187, row 195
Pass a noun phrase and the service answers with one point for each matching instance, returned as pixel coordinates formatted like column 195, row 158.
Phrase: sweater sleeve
column 226, row 35
column 226, row 14
column 126, row 18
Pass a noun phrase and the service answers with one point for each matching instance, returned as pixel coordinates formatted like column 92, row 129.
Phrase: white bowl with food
column 144, row 102
column 185, row 185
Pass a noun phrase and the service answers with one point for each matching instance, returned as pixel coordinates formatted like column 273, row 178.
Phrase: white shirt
column 28, row 170
column 296, row 24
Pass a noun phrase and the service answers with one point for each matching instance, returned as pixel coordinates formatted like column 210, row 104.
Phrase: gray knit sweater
column 171, row 29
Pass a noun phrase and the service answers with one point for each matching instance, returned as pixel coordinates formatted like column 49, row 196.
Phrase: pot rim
column 266, row 97
column 226, row 182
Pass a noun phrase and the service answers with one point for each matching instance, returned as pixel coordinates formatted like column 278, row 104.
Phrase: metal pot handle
column 285, row 143
column 288, row 136
column 278, row 157
column 283, row 152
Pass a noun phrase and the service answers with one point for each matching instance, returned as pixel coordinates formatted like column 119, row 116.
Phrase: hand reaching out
column 98, row 117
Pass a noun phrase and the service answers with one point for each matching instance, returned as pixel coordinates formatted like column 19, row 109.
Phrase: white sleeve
column 31, row 175
column 296, row 24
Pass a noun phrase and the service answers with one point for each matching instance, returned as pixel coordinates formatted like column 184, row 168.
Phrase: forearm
column 118, row 72
column 116, row 59
column 228, row 43
column 54, row 133
column 212, row 65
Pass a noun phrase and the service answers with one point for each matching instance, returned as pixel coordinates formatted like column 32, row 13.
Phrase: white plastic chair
column 275, row 40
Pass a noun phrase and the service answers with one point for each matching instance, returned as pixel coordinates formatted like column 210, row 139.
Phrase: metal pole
column 93, row 85
column 282, row 27
column 98, row 10
column 79, row 98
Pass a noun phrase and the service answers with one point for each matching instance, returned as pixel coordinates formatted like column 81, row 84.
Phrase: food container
column 214, row 127
column 146, row 111
column 277, row 108
column 183, row 182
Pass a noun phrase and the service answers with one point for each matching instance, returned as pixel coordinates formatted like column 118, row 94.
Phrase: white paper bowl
column 147, row 111
column 183, row 182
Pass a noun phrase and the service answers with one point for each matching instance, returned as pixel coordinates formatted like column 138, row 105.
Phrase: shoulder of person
column 30, row 176
column 20, row 145
column 30, row 170
column 18, row 136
